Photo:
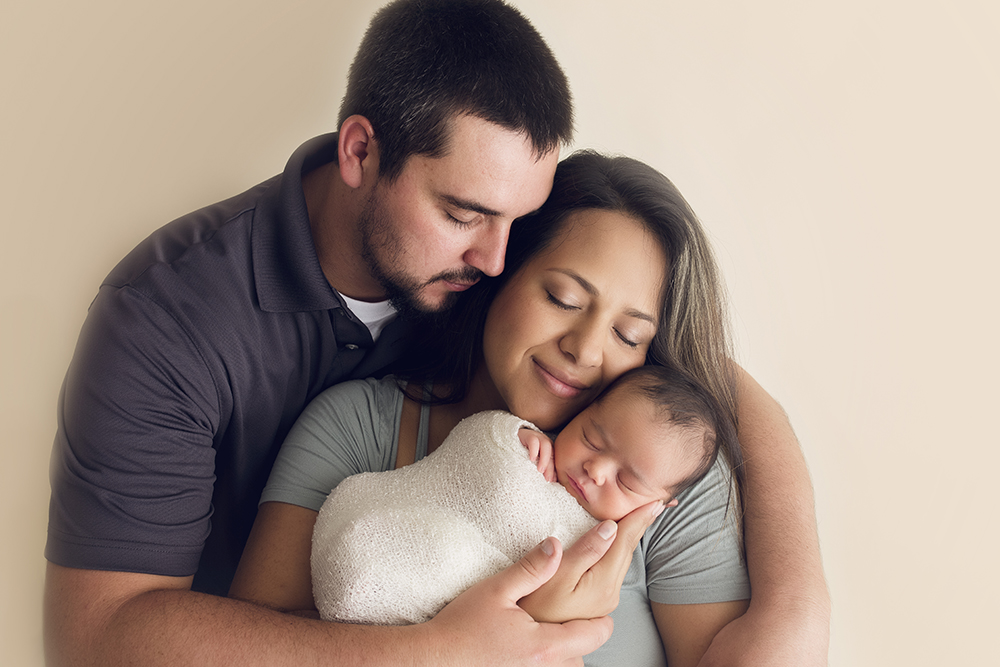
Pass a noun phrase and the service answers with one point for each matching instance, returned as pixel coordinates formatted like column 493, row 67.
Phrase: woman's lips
column 558, row 384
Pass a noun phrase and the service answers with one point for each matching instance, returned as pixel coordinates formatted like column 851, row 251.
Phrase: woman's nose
column 585, row 343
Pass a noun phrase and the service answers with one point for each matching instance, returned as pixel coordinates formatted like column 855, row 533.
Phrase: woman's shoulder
column 348, row 429
column 375, row 396
column 692, row 552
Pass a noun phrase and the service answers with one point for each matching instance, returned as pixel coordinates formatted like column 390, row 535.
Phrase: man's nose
column 490, row 246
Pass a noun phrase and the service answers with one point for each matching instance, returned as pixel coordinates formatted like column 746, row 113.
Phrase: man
column 205, row 343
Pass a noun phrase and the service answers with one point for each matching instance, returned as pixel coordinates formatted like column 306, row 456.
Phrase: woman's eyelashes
column 562, row 305
column 625, row 339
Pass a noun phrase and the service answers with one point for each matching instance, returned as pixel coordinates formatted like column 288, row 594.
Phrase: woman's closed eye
column 562, row 305
column 623, row 337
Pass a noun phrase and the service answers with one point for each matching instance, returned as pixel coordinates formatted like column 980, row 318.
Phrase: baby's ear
column 671, row 503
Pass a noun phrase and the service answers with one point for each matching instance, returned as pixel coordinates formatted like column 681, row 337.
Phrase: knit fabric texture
column 394, row 547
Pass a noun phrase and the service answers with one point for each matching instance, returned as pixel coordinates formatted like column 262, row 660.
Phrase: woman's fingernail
column 547, row 547
column 607, row 530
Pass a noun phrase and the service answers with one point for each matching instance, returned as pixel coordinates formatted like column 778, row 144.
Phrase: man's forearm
column 180, row 627
column 118, row 618
column 782, row 542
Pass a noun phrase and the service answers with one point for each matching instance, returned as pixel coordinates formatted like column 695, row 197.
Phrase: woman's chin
column 546, row 417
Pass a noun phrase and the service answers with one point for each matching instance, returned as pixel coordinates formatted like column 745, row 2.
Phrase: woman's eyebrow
column 467, row 205
column 589, row 288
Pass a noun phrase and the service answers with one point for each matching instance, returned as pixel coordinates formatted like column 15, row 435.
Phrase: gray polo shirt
column 201, row 348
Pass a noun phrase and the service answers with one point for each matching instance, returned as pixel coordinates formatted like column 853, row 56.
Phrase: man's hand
column 592, row 570
column 539, row 448
column 485, row 623
column 102, row 618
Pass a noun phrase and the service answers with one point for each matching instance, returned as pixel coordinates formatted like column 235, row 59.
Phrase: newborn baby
column 394, row 547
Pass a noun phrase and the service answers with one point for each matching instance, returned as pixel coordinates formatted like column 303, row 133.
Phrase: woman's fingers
column 630, row 530
column 606, row 550
column 590, row 575
column 587, row 551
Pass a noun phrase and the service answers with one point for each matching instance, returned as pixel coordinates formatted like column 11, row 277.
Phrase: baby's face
column 616, row 456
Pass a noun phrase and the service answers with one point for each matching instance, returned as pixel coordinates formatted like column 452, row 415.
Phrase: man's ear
column 357, row 151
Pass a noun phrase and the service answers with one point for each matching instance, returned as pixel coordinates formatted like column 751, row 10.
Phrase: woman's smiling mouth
column 558, row 384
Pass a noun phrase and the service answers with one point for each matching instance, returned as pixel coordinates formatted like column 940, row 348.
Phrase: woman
column 613, row 270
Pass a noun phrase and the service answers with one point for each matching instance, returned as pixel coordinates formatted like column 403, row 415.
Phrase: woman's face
column 575, row 317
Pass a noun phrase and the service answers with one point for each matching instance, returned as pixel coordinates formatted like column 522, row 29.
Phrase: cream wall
column 844, row 156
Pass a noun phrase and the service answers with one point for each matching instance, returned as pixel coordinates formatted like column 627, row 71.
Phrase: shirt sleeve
column 348, row 429
column 693, row 552
column 132, row 469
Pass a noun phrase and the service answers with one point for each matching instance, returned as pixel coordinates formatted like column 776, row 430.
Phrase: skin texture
column 436, row 228
column 574, row 318
column 582, row 314
column 119, row 618
column 615, row 456
column 114, row 618
column 618, row 455
column 788, row 622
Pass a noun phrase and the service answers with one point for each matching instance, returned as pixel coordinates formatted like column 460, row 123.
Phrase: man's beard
column 381, row 250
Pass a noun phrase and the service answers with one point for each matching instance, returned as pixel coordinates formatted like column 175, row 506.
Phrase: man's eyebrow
column 589, row 288
column 467, row 205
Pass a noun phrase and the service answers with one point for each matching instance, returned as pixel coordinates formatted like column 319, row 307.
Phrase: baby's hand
column 539, row 451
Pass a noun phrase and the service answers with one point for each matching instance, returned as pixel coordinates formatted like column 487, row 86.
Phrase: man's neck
column 334, row 209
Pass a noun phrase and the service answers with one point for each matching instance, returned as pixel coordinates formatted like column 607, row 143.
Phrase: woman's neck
column 482, row 395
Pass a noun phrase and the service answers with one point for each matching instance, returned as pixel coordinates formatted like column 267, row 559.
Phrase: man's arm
column 788, row 622
column 104, row 618
column 687, row 630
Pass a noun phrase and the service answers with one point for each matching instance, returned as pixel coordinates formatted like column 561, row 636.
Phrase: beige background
column 843, row 154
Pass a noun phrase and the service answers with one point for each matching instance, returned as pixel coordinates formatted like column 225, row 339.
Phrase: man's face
column 445, row 221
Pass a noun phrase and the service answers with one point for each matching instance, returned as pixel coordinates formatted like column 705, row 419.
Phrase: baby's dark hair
column 683, row 402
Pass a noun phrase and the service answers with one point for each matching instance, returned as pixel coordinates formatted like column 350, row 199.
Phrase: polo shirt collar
column 286, row 268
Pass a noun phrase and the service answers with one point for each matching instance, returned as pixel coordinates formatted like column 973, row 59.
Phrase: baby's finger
column 550, row 474
column 546, row 465
column 530, row 441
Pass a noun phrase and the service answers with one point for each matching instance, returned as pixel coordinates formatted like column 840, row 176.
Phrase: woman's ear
column 357, row 152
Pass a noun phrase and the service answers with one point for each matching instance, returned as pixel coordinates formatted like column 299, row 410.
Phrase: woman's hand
column 590, row 576
column 539, row 448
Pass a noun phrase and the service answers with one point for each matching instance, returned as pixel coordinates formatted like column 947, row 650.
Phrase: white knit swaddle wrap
column 394, row 547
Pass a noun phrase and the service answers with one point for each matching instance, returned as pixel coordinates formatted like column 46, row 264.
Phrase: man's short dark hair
column 423, row 62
